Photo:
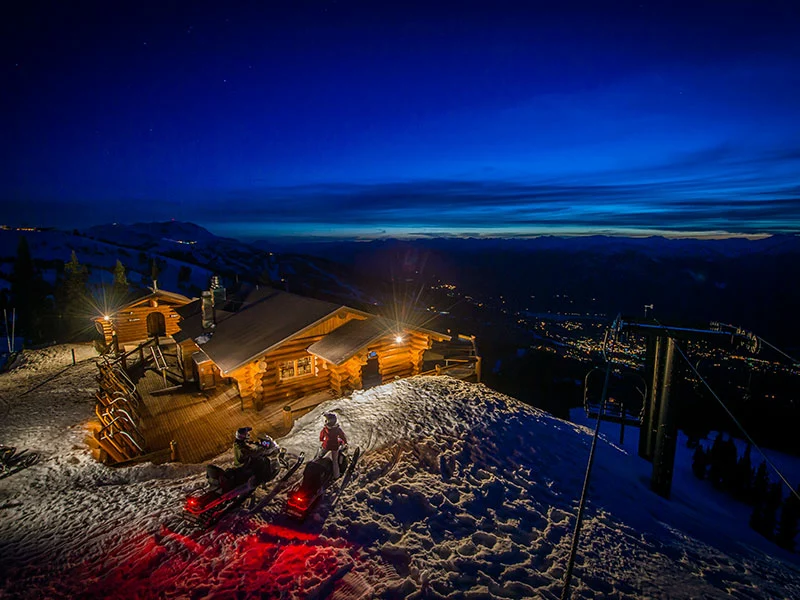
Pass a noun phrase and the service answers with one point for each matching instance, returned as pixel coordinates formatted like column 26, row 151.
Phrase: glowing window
column 296, row 368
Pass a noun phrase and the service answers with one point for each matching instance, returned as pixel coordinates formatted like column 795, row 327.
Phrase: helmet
column 330, row 419
column 243, row 433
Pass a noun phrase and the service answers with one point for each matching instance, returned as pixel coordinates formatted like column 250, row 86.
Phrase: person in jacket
column 244, row 451
column 332, row 439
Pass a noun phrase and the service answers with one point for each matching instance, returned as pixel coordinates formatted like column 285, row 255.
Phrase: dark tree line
column 773, row 516
column 62, row 311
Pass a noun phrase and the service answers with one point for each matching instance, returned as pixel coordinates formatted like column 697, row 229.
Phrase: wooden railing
column 455, row 367
column 117, row 410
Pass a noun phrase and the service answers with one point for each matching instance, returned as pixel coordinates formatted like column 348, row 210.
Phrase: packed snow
column 461, row 493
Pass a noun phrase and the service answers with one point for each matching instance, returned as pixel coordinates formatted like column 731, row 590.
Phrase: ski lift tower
column 659, row 430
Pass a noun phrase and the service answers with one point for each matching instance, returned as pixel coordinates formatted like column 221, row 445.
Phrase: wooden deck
column 202, row 423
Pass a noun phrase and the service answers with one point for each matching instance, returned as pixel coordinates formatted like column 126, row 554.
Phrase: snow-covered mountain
column 186, row 256
column 462, row 493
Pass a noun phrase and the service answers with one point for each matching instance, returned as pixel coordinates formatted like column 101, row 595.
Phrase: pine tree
column 119, row 289
column 154, row 272
column 699, row 462
column 728, row 462
column 715, row 461
column 760, row 483
column 184, row 274
column 743, row 477
column 28, row 294
column 74, row 294
column 772, row 504
column 788, row 524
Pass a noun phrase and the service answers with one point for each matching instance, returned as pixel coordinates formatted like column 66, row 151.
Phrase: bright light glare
column 398, row 339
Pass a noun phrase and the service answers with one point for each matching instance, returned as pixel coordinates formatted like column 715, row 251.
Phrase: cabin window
column 296, row 368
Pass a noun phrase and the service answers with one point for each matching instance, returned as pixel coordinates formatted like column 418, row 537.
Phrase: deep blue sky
column 375, row 118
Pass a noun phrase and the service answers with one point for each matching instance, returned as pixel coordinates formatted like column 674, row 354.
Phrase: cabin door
column 370, row 375
column 156, row 324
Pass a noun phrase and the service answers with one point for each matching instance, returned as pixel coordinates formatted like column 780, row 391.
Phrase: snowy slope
column 177, row 247
column 462, row 493
column 54, row 248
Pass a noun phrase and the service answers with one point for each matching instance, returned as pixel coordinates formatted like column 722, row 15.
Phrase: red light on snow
column 192, row 503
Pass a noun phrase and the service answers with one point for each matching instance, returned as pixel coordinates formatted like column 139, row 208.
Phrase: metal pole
column 650, row 415
column 666, row 439
column 576, row 534
column 8, row 337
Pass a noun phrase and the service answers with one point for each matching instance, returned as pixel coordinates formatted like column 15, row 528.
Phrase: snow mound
column 461, row 493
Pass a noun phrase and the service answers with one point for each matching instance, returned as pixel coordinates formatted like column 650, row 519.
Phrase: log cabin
column 142, row 319
column 277, row 346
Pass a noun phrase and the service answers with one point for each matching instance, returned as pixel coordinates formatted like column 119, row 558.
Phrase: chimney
column 217, row 291
column 207, row 308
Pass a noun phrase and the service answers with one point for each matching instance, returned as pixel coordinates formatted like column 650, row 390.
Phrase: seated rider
column 332, row 439
column 244, row 451
column 260, row 458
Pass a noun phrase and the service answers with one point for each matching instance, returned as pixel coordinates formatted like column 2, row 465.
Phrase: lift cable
column 584, row 492
column 730, row 414
column 765, row 342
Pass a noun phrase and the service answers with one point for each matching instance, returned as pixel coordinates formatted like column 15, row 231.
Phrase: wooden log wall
column 107, row 330
column 131, row 323
column 418, row 343
column 347, row 376
column 259, row 381
column 398, row 360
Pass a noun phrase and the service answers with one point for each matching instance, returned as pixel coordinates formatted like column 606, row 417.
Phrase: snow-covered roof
column 179, row 299
column 267, row 319
column 345, row 341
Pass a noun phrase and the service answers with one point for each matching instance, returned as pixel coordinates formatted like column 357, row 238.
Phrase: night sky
column 365, row 119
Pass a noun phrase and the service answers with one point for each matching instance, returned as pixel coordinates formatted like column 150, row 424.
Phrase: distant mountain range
column 653, row 246
column 752, row 283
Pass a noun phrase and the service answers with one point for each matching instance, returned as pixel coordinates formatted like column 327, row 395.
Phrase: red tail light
column 298, row 500
column 192, row 504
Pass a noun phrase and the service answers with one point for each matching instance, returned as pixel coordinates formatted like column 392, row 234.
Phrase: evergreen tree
column 119, row 289
column 74, row 294
column 699, row 462
column 28, row 295
column 715, row 461
column 788, row 524
column 154, row 272
column 184, row 274
column 743, row 477
column 728, row 460
column 760, row 483
column 772, row 504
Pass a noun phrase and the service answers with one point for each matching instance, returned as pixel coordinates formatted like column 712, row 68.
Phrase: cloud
column 687, row 205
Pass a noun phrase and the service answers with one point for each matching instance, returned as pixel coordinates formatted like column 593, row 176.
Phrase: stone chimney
column 207, row 308
column 217, row 291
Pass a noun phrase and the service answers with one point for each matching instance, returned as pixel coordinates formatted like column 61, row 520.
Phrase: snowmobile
column 12, row 461
column 317, row 476
column 230, row 488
